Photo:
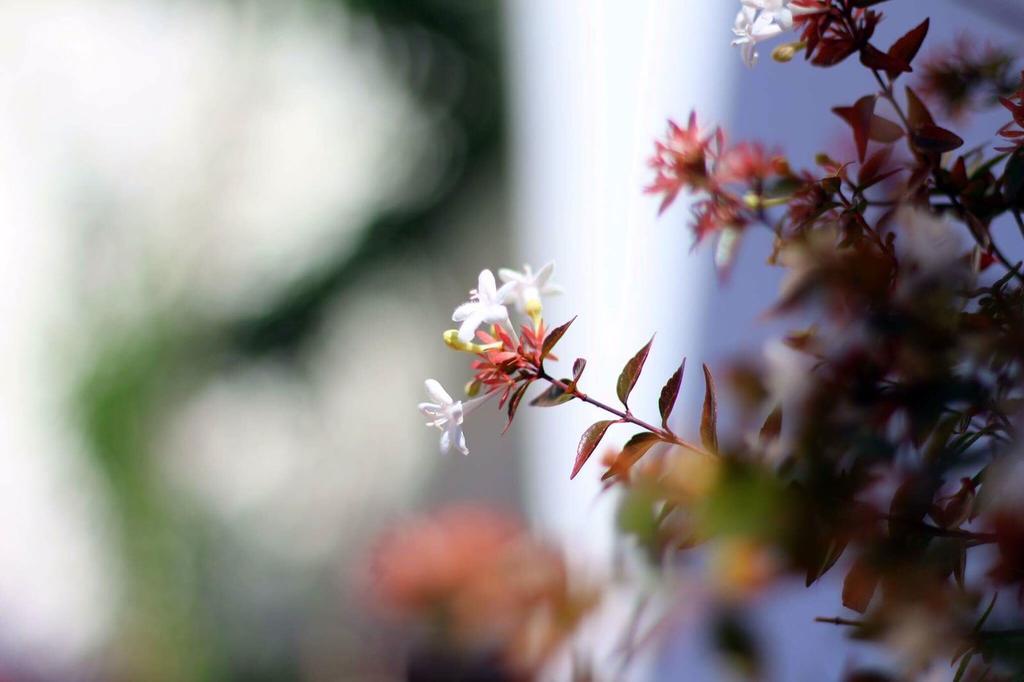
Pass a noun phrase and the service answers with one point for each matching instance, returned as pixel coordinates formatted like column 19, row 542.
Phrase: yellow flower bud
column 452, row 340
column 756, row 201
column 785, row 52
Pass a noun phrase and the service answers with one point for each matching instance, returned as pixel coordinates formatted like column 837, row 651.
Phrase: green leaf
column 669, row 393
column 590, row 440
column 554, row 395
column 709, row 415
column 631, row 372
column 553, row 337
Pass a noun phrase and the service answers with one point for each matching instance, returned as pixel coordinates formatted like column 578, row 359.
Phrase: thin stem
column 972, row 537
column 888, row 94
column 626, row 416
column 997, row 634
column 840, row 621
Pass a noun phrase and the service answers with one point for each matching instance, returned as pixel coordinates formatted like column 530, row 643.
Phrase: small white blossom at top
column 777, row 11
column 752, row 27
column 447, row 415
column 760, row 20
column 485, row 306
column 527, row 287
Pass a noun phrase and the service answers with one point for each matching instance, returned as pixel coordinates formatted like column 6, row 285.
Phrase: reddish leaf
column 870, row 172
column 960, row 563
column 859, row 117
column 860, row 585
column 907, row 47
column 873, row 58
column 772, row 425
column 911, row 502
column 709, row 415
column 591, row 437
column 553, row 337
column 917, row 113
column 669, row 393
column 979, row 230
column 577, row 369
column 958, row 176
column 631, row 372
column 933, row 139
column 554, row 395
column 884, row 130
column 880, row 178
column 635, row 448
column 513, row 403
column 831, row 51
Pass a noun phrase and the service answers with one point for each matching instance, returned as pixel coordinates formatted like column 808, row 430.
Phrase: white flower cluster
column 760, row 20
column 487, row 305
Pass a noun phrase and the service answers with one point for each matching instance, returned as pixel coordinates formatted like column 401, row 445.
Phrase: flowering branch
column 905, row 391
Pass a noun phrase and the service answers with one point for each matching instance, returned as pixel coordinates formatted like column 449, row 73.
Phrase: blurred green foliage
column 464, row 48
column 138, row 373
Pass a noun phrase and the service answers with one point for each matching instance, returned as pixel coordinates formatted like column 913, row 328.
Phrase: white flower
column 527, row 287
column 928, row 240
column 760, row 20
column 781, row 11
column 773, row 7
column 485, row 306
column 447, row 415
column 752, row 27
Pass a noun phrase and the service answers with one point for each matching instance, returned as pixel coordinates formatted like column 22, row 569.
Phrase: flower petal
column 544, row 274
column 486, row 286
column 436, row 391
column 510, row 275
column 461, row 445
column 469, row 327
column 552, row 290
column 430, row 409
column 464, row 311
column 507, row 292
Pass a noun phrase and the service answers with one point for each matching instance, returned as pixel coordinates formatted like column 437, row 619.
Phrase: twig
column 663, row 434
column 840, row 621
column 973, row 538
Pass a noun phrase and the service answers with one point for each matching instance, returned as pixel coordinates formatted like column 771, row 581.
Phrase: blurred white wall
column 593, row 83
